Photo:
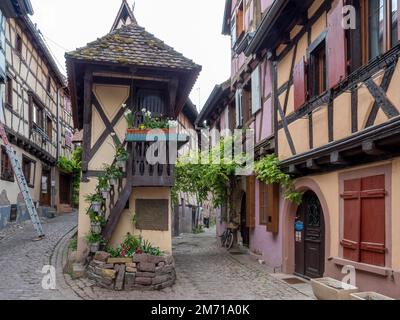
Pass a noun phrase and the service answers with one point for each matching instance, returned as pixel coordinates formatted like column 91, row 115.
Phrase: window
column 29, row 170
column 18, row 44
column 364, row 220
column 237, row 24
column 9, row 92
column 7, row 172
column 263, row 194
column 48, row 84
column 49, row 128
column 376, row 27
column 317, row 72
column 37, row 115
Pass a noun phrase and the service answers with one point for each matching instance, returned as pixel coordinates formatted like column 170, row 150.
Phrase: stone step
column 64, row 208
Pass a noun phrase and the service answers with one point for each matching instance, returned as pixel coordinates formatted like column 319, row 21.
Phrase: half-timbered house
column 335, row 80
column 37, row 117
column 245, row 102
column 129, row 66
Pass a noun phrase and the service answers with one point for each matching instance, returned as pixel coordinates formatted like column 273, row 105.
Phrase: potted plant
column 95, row 200
column 94, row 240
column 113, row 174
column 152, row 123
column 96, row 221
column 121, row 156
column 104, row 186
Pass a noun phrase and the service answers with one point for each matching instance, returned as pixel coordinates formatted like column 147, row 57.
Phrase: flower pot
column 369, row 296
column 96, row 206
column 105, row 193
column 95, row 227
column 332, row 289
column 94, row 247
column 113, row 181
column 121, row 164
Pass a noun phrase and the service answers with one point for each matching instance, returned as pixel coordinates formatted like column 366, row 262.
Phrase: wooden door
column 45, row 189
column 65, row 189
column 310, row 242
column 244, row 229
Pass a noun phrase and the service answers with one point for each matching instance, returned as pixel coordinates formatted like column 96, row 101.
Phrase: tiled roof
column 133, row 45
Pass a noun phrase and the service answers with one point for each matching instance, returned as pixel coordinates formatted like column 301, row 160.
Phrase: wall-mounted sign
column 299, row 226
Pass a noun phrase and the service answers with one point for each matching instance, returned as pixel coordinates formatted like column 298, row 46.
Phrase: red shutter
column 299, row 82
column 373, row 221
column 351, row 221
column 336, row 45
column 273, row 208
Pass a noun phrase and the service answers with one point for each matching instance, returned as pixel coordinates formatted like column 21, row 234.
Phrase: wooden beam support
column 293, row 169
column 312, row 165
column 173, row 91
column 337, row 159
column 87, row 117
column 369, row 148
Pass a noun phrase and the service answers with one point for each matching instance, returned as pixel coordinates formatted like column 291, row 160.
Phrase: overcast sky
column 192, row 27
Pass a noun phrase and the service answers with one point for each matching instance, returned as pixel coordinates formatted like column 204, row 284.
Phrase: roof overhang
column 76, row 70
column 16, row 8
column 219, row 92
column 281, row 16
column 226, row 25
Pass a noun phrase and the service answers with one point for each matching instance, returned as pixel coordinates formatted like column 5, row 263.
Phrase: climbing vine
column 268, row 171
column 73, row 166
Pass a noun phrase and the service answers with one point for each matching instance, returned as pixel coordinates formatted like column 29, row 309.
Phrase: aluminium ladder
column 23, row 186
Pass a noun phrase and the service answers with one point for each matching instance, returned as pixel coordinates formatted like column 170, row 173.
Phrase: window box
column 332, row 289
column 381, row 271
column 149, row 135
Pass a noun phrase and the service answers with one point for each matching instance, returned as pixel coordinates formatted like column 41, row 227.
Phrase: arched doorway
column 310, row 238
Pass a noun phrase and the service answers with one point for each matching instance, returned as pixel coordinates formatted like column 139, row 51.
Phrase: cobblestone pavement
column 204, row 271
column 21, row 260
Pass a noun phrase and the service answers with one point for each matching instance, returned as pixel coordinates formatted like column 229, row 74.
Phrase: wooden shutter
column 336, row 45
column 299, row 82
column 255, row 90
column 372, row 242
column 263, row 202
column 250, row 202
column 239, row 107
column 351, row 220
column 273, row 208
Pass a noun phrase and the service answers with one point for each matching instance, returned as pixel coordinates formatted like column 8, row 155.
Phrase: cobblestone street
column 22, row 260
column 204, row 270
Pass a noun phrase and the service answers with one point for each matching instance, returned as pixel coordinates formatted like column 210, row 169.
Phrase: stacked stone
column 142, row 272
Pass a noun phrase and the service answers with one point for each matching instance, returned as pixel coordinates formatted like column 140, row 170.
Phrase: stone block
column 131, row 270
column 145, row 274
column 147, row 267
column 95, row 262
column 161, row 264
column 108, row 266
column 101, row 256
column 129, row 280
column 161, row 279
column 119, row 282
column 139, row 258
column 143, row 281
column 109, row 273
column 131, row 265
column 164, row 270
column 119, row 260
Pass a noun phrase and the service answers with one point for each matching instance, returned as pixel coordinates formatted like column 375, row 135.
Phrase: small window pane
column 376, row 28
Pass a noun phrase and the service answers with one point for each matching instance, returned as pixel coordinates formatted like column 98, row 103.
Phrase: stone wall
column 142, row 272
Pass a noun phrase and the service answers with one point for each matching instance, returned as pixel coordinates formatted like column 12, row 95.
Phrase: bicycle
column 227, row 237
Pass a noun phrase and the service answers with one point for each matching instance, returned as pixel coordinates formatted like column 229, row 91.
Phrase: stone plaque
column 152, row 214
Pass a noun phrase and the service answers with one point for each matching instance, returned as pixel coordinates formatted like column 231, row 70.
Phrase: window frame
column 18, row 44
column 9, row 92
column 9, row 174
column 313, row 51
column 32, row 163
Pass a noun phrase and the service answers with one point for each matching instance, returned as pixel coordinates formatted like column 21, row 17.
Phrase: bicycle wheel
column 223, row 239
column 229, row 241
